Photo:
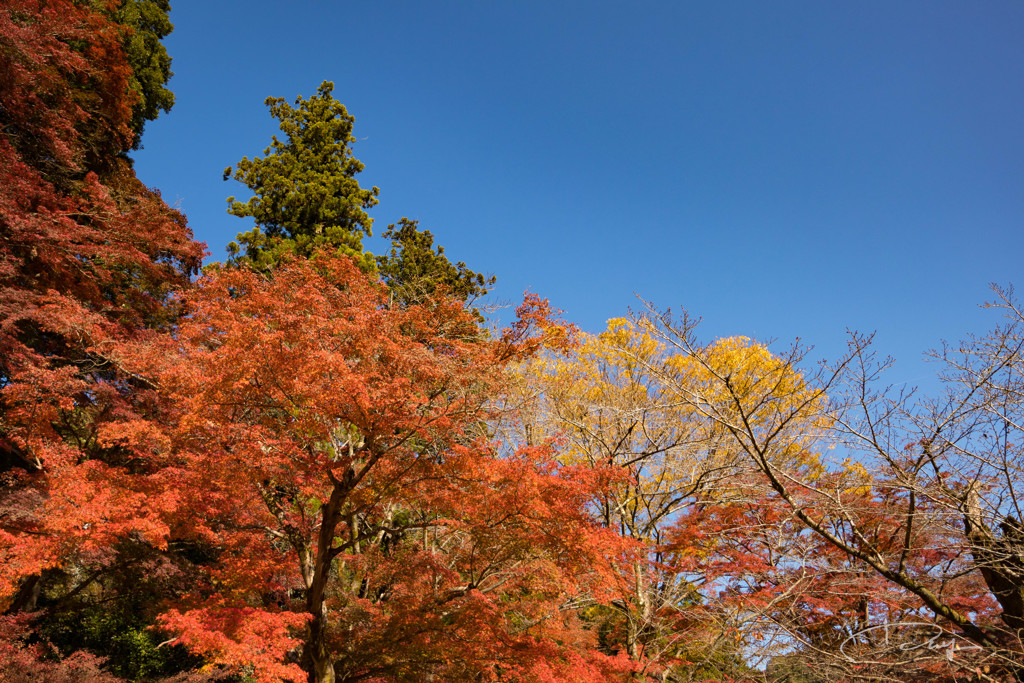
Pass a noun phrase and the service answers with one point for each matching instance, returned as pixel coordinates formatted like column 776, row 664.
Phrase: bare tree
column 922, row 493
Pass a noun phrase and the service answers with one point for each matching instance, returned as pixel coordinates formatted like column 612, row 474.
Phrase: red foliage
column 22, row 661
column 87, row 251
column 751, row 556
column 328, row 447
column 64, row 85
column 88, row 257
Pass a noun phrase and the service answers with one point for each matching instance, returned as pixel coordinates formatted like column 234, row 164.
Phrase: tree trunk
column 317, row 658
column 319, row 662
column 27, row 595
column 999, row 560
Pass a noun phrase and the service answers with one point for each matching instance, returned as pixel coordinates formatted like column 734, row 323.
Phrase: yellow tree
column 625, row 398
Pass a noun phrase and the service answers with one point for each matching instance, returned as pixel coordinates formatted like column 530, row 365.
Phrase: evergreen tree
column 414, row 267
column 145, row 23
column 305, row 193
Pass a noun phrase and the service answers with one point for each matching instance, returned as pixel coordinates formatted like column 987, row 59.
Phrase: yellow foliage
column 675, row 419
column 681, row 421
column 757, row 396
column 607, row 401
column 855, row 478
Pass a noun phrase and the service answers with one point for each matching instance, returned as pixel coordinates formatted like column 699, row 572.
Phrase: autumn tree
column 89, row 255
column 613, row 400
column 923, row 498
column 786, row 549
column 324, row 448
column 604, row 405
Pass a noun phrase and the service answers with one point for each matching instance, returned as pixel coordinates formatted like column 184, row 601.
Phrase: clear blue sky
column 782, row 169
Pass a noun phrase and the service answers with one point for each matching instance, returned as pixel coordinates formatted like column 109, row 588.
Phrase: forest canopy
column 311, row 463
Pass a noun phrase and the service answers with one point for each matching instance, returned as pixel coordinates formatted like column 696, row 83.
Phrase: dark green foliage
column 305, row 193
column 147, row 23
column 414, row 267
column 131, row 650
column 110, row 613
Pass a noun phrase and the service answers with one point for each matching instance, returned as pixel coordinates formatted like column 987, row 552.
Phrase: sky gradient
column 783, row 169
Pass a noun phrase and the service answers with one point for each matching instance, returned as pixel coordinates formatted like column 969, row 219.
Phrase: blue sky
column 782, row 169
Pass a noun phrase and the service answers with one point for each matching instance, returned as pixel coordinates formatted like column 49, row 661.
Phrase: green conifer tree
column 414, row 267
column 146, row 23
column 305, row 193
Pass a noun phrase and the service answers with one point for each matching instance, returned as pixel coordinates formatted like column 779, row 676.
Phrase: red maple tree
column 88, row 257
column 330, row 451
